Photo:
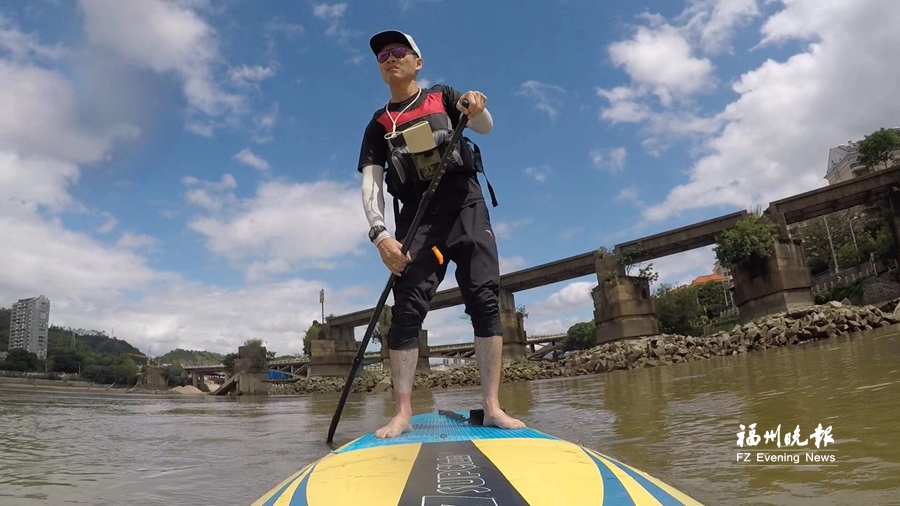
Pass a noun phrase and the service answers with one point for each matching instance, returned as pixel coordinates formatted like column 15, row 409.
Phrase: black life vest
column 409, row 174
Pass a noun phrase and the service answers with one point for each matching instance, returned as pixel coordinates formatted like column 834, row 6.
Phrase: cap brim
column 381, row 39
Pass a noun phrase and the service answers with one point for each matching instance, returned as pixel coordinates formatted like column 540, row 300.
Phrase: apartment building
column 843, row 163
column 29, row 325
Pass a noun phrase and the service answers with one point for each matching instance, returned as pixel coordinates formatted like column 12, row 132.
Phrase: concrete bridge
column 297, row 367
column 623, row 307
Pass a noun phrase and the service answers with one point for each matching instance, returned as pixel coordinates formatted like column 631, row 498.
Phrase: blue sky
column 184, row 172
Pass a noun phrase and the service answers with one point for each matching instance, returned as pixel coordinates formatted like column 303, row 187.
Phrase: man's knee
column 483, row 308
column 407, row 316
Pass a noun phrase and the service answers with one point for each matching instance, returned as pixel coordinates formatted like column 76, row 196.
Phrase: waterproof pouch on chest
column 424, row 152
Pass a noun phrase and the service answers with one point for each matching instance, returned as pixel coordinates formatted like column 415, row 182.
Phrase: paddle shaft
column 420, row 212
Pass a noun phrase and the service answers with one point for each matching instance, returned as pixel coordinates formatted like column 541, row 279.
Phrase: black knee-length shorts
column 466, row 238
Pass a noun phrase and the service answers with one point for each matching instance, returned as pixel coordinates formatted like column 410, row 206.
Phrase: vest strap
column 479, row 167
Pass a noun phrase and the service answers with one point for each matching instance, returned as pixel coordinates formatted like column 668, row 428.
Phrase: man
column 457, row 221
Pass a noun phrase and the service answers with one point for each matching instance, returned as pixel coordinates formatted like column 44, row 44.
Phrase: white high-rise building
column 29, row 325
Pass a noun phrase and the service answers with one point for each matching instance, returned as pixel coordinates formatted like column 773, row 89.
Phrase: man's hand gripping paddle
column 423, row 204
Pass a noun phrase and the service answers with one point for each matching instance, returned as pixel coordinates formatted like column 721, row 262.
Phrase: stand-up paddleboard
column 450, row 460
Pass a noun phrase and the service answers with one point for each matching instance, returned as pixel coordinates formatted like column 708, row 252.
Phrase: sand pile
column 189, row 389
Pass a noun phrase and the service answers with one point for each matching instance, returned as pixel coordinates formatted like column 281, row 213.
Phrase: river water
column 678, row 423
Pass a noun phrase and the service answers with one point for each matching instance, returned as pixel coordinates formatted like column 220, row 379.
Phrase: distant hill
column 88, row 340
column 181, row 356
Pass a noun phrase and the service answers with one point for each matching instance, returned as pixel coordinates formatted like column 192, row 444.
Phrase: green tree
column 628, row 259
column 751, row 240
column 228, row 362
column 711, row 298
column 175, row 375
column 676, row 306
column 311, row 333
column 21, row 360
column 876, row 148
column 581, row 336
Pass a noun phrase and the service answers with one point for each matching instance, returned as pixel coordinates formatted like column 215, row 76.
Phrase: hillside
column 88, row 340
column 181, row 356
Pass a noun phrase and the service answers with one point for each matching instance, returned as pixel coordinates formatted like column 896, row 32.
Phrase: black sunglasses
column 398, row 52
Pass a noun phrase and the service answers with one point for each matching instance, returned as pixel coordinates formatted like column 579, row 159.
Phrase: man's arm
column 483, row 123
column 373, row 198
column 372, row 158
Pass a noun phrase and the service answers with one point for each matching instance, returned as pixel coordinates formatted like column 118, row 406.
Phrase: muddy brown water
column 679, row 423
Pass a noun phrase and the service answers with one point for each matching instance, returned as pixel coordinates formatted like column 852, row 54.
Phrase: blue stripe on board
column 271, row 501
column 436, row 428
column 664, row 498
column 299, row 497
column 614, row 492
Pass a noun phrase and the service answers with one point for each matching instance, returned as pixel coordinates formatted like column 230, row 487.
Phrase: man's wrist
column 381, row 237
column 378, row 233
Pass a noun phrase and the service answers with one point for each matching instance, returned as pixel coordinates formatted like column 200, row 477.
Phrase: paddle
column 423, row 204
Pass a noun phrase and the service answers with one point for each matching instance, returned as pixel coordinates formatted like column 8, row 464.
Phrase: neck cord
column 393, row 133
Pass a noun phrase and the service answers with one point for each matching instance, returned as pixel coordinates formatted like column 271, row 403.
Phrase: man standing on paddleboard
column 409, row 135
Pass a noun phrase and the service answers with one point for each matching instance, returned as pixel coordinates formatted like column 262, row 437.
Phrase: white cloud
column 712, row 23
column 255, row 74
column 511, row 264
column 503, row 229
column 109, row 225
column 560, row 310
column 612, row 160
column 250, row 158
column 168, row 38
column 329, row 11
column 44, row 147
column 629, row 195
column 546, row 97
column 23, row 46
column 133, row 241
column 263, row 123
column 684, row 267
column 539, row 175
column 298, row 224
column 775, row 137
column 660, row 61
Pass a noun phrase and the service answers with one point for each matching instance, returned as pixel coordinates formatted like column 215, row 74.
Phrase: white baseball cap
column 380, row 39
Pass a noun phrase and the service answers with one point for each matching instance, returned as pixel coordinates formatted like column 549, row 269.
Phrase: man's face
column 398, row 70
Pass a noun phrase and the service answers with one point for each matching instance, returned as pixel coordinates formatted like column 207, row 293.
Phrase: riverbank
column 44, row 385
column 791, row 328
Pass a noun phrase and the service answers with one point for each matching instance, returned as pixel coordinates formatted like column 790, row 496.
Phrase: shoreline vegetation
column 791, row 328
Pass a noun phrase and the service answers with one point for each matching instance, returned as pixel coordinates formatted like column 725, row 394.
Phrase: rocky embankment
column 786, row 329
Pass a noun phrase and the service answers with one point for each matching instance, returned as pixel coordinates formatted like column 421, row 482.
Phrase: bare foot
column 398, row 425
column 502, row 420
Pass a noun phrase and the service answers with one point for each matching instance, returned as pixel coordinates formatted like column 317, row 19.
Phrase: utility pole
column 831, row 244
column 853, row 236
column 322, row 302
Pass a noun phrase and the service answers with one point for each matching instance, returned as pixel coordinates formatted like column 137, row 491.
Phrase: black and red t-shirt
column 454, row 190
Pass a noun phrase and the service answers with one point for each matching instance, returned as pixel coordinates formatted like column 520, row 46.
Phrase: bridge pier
column 780, row 283
column 514, row 339
column 333, row 356
column 623, row 307
column 423, row 365
column 197, row 378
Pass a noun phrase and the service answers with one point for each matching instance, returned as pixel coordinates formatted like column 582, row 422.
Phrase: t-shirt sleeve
column 451, row 97
column 373, row 150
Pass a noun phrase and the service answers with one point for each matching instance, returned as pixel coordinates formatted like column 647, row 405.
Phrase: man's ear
column 419, row 64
